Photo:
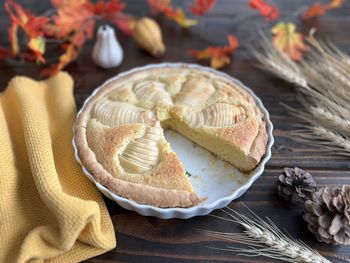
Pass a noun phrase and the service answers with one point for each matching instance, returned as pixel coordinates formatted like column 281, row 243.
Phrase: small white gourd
column 107, row 52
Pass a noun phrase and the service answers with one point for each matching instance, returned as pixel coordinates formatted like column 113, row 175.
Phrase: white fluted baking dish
column 217, row 180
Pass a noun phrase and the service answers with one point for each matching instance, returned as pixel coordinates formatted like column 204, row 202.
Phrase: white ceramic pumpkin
column 107, row 52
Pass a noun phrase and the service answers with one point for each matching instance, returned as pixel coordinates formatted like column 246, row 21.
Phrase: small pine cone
column 328, row 215
column 296, row 185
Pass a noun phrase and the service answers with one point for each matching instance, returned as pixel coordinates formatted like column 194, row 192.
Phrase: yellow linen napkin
column 49, row 210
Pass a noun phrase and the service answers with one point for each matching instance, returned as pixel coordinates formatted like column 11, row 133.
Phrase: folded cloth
column 49, row 210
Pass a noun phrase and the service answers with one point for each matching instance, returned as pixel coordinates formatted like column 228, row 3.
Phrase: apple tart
column 119, row 132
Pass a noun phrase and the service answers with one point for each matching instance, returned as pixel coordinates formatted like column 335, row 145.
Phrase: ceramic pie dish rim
column 184, row 213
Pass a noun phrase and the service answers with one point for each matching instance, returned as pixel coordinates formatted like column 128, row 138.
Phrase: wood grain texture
column 147, row 239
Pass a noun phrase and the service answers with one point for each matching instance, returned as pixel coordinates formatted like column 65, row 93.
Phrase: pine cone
column 328, row 215
column 296, row 185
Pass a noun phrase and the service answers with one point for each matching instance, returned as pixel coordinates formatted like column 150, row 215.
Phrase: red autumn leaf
column 201, row 7
column 177, row 15
column 108, row 10
column 314, row 10
column 320, row 9
column 71, row 18
column 28, row 56
column 161, row 6
column 78, row 39
column 125, row 23
column 270, row 12
column 112, row 11
column 219, row 56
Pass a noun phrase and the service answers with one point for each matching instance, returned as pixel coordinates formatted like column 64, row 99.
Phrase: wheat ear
column 317, row 115
column 278, row 63
column 264, row 239
column 328, row 118
column 323, row 88
column 325, row 138
column 329, row 52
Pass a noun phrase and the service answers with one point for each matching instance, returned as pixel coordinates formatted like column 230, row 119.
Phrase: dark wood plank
column 147, row 239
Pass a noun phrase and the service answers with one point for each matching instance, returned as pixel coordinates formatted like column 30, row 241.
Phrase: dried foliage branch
column 69, row 24
column 264, row 238
column 323, row 88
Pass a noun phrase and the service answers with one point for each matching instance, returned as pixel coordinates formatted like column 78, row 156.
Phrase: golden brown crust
column 250, row 136
column 105, row 142
column 241, row 135
column 143, row 194
column 166, row 174
column 258, row 148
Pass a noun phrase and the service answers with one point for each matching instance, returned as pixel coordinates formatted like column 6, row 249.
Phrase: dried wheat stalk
column 342, row 124
column 264, row 239
column 328, row 140
column 323, row 87
column 332, row 119
column 279, row 64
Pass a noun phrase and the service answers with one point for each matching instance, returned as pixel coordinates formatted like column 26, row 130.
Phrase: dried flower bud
column 148, row 36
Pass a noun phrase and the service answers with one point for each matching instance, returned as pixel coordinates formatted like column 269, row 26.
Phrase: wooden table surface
column 148, row 239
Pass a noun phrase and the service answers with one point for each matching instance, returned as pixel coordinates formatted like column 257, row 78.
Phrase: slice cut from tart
column 227, row 130
column 119, row 132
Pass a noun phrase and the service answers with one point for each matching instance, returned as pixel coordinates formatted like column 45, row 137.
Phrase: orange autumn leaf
column 181, row 19
column 219, row 56
column 72, row 23
column 177, row 15
column 288, row 40
column 13, row 39
column 109, row 9
column 70, row 54
column 125, row 23
column 59, row 3
column 314, row 10
column 29, row 23
column 71, row 49
column 320, row 9
column 270, row 12
column 71, row 18
column 79, row 15
column 160, row 6
column 202, row 7
column 335, row 3
column 37, row 46
column 75, row 24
